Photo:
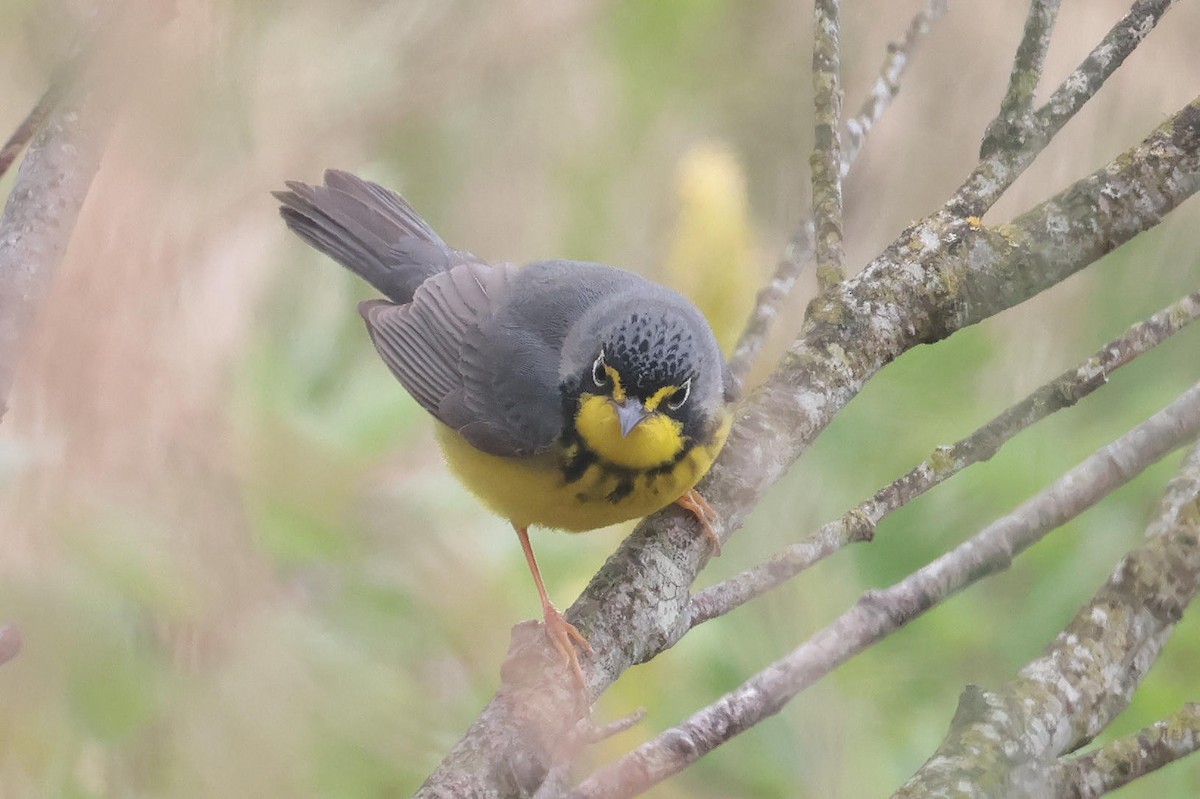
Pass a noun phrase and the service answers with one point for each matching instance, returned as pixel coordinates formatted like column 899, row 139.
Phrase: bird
column 568, row 395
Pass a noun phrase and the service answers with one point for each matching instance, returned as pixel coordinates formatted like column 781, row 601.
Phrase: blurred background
column 237, row 560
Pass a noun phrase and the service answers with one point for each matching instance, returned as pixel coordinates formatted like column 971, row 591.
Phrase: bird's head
column 649, row 387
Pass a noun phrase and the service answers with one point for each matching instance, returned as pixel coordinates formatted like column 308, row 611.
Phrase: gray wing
column 495, row 384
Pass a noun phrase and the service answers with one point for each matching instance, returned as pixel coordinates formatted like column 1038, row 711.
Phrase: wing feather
column 440, row 347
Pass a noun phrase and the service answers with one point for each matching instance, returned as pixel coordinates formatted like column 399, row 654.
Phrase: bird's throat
column 656, row 440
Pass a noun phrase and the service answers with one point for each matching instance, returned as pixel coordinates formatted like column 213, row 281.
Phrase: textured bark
column 943, row 273
column 1006, row 742
column 859, row 523
column 826, row 159
column 1124, row 760
column 1007, row 152
column 1008, row 130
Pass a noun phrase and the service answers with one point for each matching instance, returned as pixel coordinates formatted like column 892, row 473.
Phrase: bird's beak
column 630, row 412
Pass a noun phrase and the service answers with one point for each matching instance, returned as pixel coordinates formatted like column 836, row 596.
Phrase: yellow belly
column 529, row 491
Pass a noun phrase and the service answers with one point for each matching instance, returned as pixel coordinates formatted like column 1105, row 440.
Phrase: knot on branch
column 1012, row 134
column 858, row 526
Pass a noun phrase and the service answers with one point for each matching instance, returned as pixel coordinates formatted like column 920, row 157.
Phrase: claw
column 565, row 637
column 693, row 502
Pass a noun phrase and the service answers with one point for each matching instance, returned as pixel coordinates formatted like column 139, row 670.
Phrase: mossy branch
column 1015, row 734
column 858, row 524
column 1124, row 760
column 1008, row 151
column 826, row 159
column 1015, row 121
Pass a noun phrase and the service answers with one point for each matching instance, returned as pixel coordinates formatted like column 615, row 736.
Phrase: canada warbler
column 570, row 395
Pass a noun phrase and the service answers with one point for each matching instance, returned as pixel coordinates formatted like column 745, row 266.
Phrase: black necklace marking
column 577, row 456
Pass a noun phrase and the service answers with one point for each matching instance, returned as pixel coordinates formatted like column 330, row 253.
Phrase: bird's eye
column 599, row 376
column 676, row 400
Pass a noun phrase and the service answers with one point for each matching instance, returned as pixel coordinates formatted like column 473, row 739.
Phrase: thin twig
column 1124, row 760
column 1085, row 678
column 826, row 159
column 1099, row 65
column 999, row 168
column 769, row 302
column 1031, row 56
column 858, row 524
column 887, row 84
column 1016, row 110
column 799, row 251
column 879, row 613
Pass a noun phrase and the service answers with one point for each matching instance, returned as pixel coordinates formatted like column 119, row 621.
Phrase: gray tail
column 369, row 230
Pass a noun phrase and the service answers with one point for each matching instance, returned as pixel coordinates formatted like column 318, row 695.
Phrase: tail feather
column 385, row 202
column 371, row 231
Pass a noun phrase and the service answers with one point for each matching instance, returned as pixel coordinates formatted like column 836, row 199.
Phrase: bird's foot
column 693, row 502
column 564, row 637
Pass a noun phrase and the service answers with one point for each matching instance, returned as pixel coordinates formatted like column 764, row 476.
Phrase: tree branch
column 1003, row 160
column 887, row 85
column 858, row 524
column 1087, row 676
column 879, row 613
column 1008, row 129
column 1124, row 760
column 800, row 248
column 825, row 162
column 1082, row 84
column 940, row 276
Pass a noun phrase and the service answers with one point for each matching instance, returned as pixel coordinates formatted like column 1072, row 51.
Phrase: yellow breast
column 655, row 441
column 538, row 490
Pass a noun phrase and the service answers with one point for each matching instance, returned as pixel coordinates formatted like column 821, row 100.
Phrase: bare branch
column 1086, row 677
column 1016, row 110
column 826, row 159
column 940, row 276
column 1003, row 161
column 72, row 120
column 858, row 524
column 880, row 613
column 769, row 302
column 1124, row 760
column 887, row 85
column 1031, row 56
column 800, row 248
column 1082, row 84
